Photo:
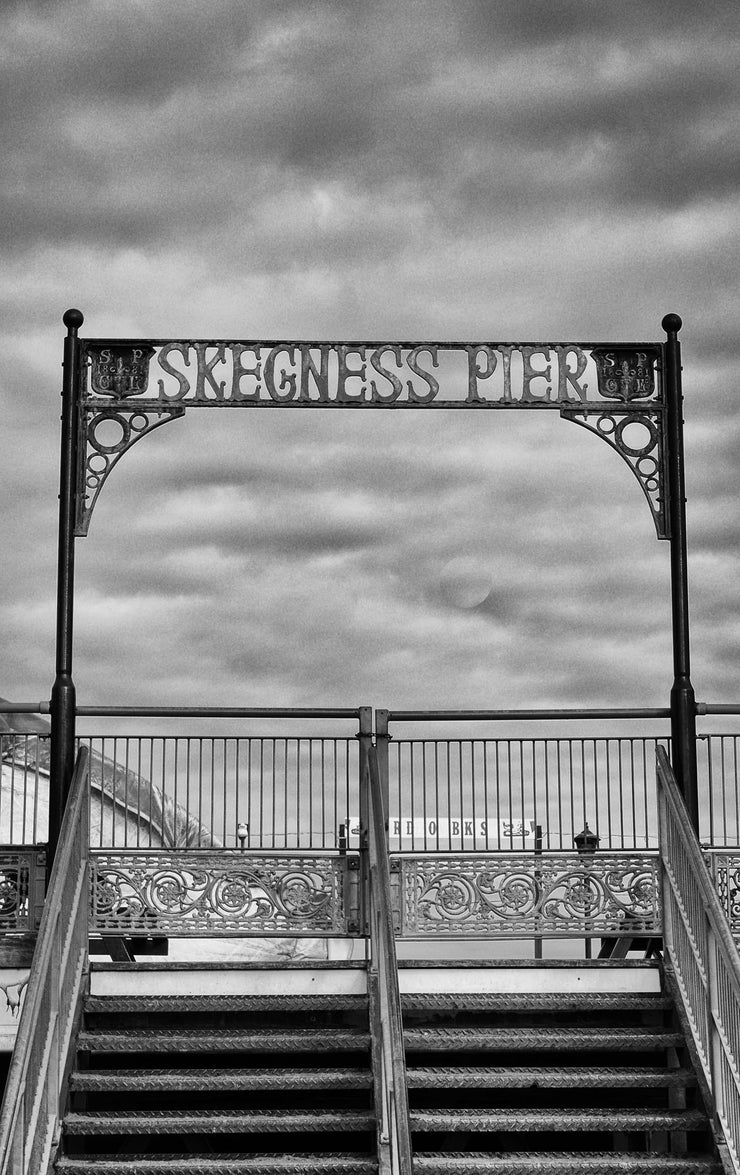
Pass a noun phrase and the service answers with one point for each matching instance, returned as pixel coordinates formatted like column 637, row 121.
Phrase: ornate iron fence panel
column 207, row 893
column 513, row 895
column 22, row 888
column 724, row 869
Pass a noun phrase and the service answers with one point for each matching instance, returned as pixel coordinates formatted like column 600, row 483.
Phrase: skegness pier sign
column 362, row 374
column 126, row 388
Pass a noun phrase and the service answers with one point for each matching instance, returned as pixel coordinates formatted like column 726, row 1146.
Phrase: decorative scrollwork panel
column 22, row 888
column 511, row 895
column 725, row 871
column 191, row 894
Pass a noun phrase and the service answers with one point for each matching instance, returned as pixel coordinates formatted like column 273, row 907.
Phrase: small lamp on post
column 242, row 832
column 586, row 842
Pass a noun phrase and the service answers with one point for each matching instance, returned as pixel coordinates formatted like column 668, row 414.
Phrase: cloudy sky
column 518, row 169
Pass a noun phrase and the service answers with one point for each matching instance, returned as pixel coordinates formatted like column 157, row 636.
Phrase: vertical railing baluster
column 572, row 829
column 485, row 791
column 621, row 791
column 546, row 769
column 162, row 778
column 735, row 790
column 474, row 793
column 436, row 791
column 635, row 792
column 522, row 799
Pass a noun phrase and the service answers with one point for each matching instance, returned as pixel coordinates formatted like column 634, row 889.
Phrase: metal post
column 63, row 701
column 587, row 842
column 382, row 739
column 538, row 888
column 365, row 736
column 683, row 701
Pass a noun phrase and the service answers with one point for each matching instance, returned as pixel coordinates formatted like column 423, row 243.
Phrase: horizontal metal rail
column 213, row 712
column 343, row 712
column 185, row 711
column 523, row 715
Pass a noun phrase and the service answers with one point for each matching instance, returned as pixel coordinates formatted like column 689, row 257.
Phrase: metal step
column 216, row 1121
column 223, row 1040
column 223, row 1164
column 578, row 1163
column 557, row 1077
column 434, row 1038
column 132, row 1080
column 147, row 1004
column 525, row 1121
column 586, row 1002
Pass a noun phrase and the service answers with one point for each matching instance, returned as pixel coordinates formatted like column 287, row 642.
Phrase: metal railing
column 472, row 794
column 702, row 954
column 497, row 794
column 386, row 1023
column 35, row 1089
column 301, row 790
column 287, row 792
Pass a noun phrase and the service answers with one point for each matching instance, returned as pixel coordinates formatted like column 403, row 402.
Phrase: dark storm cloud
column 175, row 123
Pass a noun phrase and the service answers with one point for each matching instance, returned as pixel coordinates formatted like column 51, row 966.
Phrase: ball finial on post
column 73, row 319
column 672, row 324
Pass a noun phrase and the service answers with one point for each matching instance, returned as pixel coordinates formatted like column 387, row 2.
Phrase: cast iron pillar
column 63, row 702
column 683, row 701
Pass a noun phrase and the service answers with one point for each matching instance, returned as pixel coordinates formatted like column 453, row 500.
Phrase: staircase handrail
column 386, row 1021
column 703, row 955
column 32, row 1106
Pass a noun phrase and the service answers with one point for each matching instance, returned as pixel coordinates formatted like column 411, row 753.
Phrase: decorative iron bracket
column 646, row 455
column 634, row 423
column 105, row 435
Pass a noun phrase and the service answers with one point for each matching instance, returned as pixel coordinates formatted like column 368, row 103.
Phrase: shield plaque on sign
column 120, row 370
column 625, row 374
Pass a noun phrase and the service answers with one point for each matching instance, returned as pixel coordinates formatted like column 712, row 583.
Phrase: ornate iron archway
column 117, row 391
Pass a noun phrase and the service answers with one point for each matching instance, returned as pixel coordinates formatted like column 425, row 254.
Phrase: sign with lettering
column 129, row 387
column 450, row 832
column 370, row 374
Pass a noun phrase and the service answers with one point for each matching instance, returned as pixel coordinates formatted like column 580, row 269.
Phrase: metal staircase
column 598, row 1083
column 259, row 1084
column 589, row 1082
column 380, row 1070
